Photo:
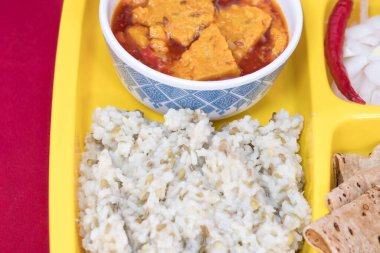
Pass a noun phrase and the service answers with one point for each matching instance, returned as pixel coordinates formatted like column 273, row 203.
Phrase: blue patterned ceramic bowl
column 219, row 99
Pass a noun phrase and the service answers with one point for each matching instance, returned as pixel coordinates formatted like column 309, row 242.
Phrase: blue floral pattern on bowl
column 216, row 103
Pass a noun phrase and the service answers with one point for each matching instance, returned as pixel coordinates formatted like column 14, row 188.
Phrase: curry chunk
column 159, row 46
column 242, row 26
column 157, row 32
column 208, row 58
column 139, row 35
column 182, row 20
column 279, row 38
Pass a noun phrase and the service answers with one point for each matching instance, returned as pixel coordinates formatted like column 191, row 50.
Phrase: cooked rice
column 182, row 186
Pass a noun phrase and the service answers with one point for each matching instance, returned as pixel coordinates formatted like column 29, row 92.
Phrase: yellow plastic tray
column 85, row 79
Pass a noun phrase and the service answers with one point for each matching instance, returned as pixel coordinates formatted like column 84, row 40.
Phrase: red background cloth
column 28, row 40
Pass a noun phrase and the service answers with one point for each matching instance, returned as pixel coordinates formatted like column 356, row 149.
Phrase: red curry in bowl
column 201, row 39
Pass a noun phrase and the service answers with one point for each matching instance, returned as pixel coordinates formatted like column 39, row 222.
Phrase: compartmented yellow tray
column 85, row 79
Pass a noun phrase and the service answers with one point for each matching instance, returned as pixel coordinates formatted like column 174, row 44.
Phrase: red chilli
column 334, row 49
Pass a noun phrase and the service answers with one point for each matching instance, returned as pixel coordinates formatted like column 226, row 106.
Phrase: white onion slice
column 372, row 72
column 375, row 54
column 374, row 22
column 347, row 52
column 363, row 10
column 370, row 40
column 355, row 64
column 358, row 31
column 358, row 80
column 361, row 57
column 356, row 48
column 366, row 90
column 376, row 32
column 375, row 99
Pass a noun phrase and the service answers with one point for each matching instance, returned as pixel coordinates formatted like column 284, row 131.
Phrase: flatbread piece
column 353, row 228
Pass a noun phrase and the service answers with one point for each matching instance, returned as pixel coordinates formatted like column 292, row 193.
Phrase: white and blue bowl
column 219, row 99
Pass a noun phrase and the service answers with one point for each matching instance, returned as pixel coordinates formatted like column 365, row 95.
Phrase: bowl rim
column 199, row 85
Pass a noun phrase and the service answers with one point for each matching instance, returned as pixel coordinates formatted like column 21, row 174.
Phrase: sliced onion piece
column 374, row 22
column 367, row 90
column 370, row 40
column 348, row 53
column 355, row 64
column 376, row 32
column 363, row 10
column 375, row 99
column 372, row 72
column 358, row 80
column 356, row 48
column 358, row 31
column 375, row 54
